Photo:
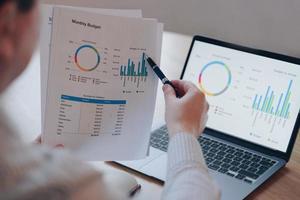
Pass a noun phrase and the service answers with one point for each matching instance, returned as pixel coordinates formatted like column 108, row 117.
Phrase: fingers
column 59, row 146
column 185, row 87
column 169, row 92
column 203, row 122
column 38, row 140
column 207, row 107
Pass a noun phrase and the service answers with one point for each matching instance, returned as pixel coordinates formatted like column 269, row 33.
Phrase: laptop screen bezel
column 283, row 155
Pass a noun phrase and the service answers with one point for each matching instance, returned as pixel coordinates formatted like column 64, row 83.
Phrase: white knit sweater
column 187, row 174
column 32, row 172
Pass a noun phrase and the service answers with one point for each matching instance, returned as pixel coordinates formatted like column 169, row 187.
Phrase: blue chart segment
column 219, row 65
column 94, row 101
column 86, row 67
column 134, row 72
column 274, row 106
column 267, row 105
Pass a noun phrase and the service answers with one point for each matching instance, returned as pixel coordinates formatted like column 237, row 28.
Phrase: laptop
column 253, row 118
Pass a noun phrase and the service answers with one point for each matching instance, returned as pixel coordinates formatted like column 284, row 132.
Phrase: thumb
column 169, row 92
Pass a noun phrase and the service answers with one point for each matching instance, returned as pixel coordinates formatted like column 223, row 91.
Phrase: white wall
column 267, row 24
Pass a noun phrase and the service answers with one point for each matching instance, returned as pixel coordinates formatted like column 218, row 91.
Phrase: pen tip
column 146, row 56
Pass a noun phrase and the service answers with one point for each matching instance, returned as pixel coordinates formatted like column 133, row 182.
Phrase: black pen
column 160, row 74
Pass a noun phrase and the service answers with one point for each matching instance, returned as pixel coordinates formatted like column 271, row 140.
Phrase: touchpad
column 156, row 168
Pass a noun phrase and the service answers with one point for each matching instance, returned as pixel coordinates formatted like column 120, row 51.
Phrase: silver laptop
column 253, row 118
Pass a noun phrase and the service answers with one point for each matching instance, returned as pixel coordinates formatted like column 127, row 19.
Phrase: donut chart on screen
column 89, row 67
column 202, row 86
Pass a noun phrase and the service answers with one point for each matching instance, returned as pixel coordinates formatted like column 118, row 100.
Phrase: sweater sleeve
column 187, row 174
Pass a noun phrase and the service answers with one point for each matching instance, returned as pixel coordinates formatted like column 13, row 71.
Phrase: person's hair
column 23, row 5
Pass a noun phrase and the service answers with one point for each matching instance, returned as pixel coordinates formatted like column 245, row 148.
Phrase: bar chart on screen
column 273, row 108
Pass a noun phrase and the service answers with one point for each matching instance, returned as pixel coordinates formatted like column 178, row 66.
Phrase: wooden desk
column 284, row 184
column 22, row 105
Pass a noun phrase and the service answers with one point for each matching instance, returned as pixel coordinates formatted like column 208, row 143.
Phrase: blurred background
column 266, row 24
column 272, row 25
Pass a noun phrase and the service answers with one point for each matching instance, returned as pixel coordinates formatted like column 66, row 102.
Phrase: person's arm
column 187, row 174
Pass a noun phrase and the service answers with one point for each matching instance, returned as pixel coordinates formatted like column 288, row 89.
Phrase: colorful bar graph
column 130, row 69
column 258, row 105
column 253, row 105
column 283, row 104
column 265, row 100
column 279, row 102
column 270, row 102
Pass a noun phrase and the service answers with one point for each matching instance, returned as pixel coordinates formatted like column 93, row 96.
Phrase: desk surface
column 22, row 105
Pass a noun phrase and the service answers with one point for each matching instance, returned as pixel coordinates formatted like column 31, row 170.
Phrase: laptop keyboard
column 224, row 158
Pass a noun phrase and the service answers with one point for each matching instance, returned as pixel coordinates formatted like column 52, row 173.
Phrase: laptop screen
column 251, row 97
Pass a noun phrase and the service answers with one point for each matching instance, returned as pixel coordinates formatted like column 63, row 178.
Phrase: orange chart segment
column 208, row 84
column 87, row 58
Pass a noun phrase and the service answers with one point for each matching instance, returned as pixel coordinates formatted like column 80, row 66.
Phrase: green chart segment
column 267, row 104
column 133, row 70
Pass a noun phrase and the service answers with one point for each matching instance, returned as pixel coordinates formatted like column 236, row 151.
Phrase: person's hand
column 187, row 114
column 38, row 141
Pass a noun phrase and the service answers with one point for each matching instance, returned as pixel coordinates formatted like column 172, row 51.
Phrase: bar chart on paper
column 133, row 72
column 89, row 114
column 273, row 107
